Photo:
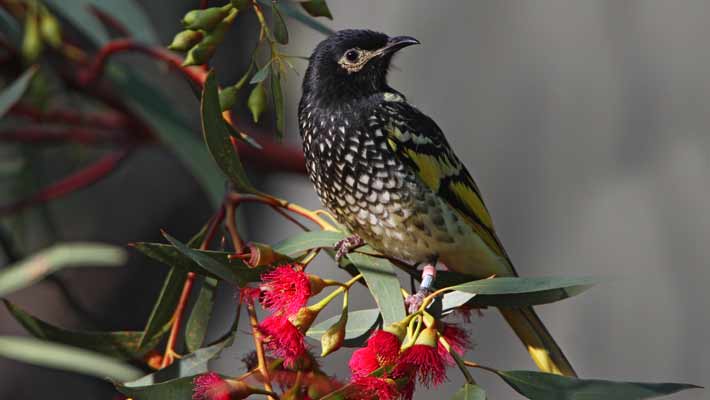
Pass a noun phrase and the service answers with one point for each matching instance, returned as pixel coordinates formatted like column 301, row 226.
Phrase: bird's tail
column 537, row 339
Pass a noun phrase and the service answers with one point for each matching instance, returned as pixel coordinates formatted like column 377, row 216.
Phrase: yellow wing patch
column 430, row 170
column 470, row 198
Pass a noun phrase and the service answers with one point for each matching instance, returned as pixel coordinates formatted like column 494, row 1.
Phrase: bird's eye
column 352, row 55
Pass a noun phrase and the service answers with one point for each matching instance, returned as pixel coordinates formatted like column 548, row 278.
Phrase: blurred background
column 584, row 123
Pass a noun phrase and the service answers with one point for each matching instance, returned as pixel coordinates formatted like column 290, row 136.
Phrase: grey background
column 585, row 124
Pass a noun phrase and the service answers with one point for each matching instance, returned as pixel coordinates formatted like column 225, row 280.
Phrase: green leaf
column 539, row 385
column 161, row 316
column 10, row 27
column 293, row 12
column 68, row 358
column 360, row 324
column 470, row 392
column 280, row 30
column 149, row 102
column 305, row 241
column 12, row 94
column 217, row 138
column 317, row 8
column 169, row 255
column 121, row 345
column 383, row 284
column 196, row 327
column 174, row 389
column 278, row 98
column 261, row 74
column 257, row 101
column 29, row 271
column 126, row 12
column 235, row 272
column 517, row 292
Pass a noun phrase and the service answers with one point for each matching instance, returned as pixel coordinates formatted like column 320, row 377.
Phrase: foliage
column 134, row 111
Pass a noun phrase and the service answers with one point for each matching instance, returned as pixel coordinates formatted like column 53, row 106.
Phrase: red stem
column 105, row 119
column 273, row 156
column 76, row 181
column 195, row 74
column 41, row 135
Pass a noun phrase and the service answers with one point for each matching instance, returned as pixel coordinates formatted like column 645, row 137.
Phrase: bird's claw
column 345, row 246
column 414, row 301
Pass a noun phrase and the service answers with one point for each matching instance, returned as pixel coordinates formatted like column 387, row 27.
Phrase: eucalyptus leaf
column 68, row 358
column 519, row 291
column 278, row 99
column 383, row 284
column 261, row 74
column 305, row 241
column 317, row 8
column 48, row 261
column 196, row 327
column 360, row 324
column 174, row 389
column 470, row 392
column 543, row 386
column 122, row 345
column 12, row 94
column 280, row 30
column 217, row 137
column 292, row 11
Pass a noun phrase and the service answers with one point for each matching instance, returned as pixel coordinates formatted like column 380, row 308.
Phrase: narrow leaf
column 174, row 389
column 261, row 74
column 278, row 98
column 216, row 136
column 12, row 94
column 517, row 292
column 280, row 30
column 383, row 284
column 160, row 318
column 224, row 271
column 470, row 392
column 122, row 345
column 305, row 241
column 292, row 11
column 360, row 324
column 55, row 258
column 68, row 358
column 196, row 327
column 543, row 386
column 317, row 8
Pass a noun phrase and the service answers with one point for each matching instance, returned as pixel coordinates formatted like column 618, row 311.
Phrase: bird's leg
column 345, row 246
column 414, row 301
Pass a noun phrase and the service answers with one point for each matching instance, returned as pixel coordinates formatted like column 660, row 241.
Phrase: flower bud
column 185, row 40
column 200, row 54
column 50, row 29
column 398, row 329
column 206, row 19
column 32, row 41
column 227, row 98
column 334, row 337
column 316, row 284
column 304, row 318
column 261, row 254
column 257, row 101
column 428, row 337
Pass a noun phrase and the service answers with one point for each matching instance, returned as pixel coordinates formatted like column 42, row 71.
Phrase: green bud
column 334, row 337
column 398, row 329
column 185, row 40
column 32, row 41
column 304, row 318
column 227, row 97
column 428, row 337
column 50, row 29
column 200, row 54
column 257, row 101
column 206, row 19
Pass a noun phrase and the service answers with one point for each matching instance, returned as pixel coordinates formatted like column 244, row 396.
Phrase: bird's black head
column 351, row 63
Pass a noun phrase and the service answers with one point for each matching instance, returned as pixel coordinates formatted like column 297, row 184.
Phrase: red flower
column 285, row 290
column 385, row 345
column 373, row 388
column 248, row 294
column 283, row 339
column 423, row 363
column 363, row 362
column 210, row 386
column 457, row 339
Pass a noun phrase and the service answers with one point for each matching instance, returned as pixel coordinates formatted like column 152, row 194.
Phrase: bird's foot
column 345, row 246
column 414, row 301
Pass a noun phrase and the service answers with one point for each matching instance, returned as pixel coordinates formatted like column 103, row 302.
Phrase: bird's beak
column 397, row 43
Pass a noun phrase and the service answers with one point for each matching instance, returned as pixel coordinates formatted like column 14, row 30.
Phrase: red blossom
column 248, row 294
column 386, row 345
column 283, row 339
column 363, row 362
column 457, row 339
column 423, row 363
column 285, row 290
column 374, row 388
column 210, row 386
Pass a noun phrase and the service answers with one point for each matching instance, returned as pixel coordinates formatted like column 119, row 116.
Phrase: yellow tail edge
column 537, row 339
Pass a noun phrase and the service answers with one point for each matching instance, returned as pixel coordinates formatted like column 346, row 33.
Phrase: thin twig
column 259, row 346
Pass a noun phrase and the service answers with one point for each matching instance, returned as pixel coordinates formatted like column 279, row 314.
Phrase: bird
column 387, row 173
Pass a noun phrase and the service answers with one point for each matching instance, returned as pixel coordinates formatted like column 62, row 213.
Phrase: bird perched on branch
column 387, row 172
